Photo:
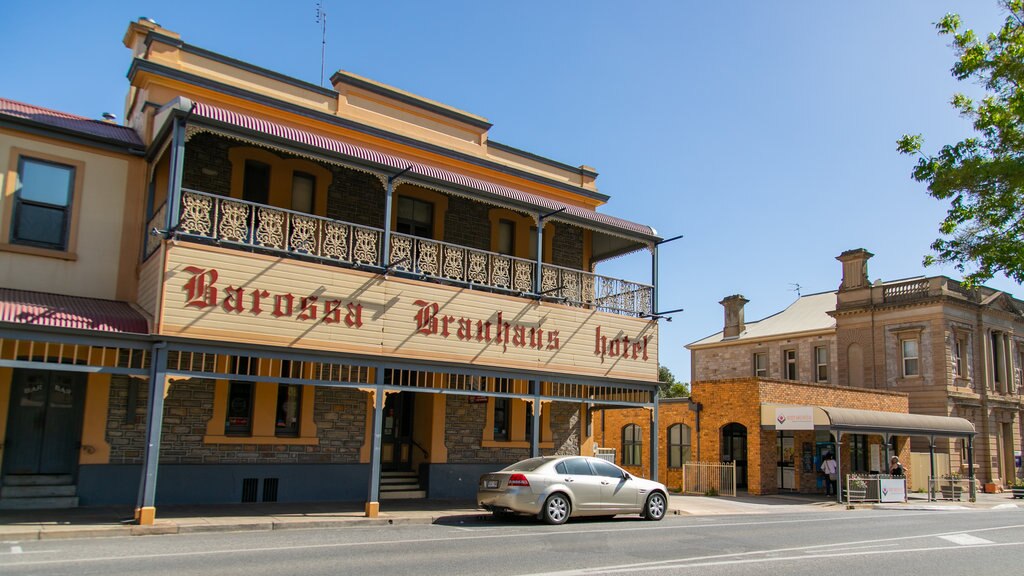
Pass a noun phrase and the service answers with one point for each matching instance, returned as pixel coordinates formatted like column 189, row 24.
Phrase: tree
column 669, row 387
column 982, row 176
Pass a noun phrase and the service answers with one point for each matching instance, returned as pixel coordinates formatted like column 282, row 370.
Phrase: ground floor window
column 859, row 451
column 632, row 445
column 678, row 445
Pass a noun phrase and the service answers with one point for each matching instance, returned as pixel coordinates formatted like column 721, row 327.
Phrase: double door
column 44, row 423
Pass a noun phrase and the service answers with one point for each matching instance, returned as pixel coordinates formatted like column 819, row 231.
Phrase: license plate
column 491, row 484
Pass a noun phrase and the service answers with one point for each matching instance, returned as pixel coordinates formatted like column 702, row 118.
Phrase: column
column 145, row 510
column 373, row 498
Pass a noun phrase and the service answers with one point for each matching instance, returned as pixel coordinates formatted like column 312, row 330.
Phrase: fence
column 951, row 488
column 709, row 478
column 874, row 488
column 605, row 454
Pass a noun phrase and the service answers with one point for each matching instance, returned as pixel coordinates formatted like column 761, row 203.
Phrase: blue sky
column 763, row 131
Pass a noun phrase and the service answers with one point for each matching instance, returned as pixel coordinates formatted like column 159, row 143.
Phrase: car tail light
column 518, row 480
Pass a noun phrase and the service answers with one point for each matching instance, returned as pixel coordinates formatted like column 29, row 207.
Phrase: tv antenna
column 796, row 288
column 321, row 19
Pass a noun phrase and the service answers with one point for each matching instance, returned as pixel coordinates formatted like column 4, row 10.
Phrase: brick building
column 952, row 351
column 261, row 289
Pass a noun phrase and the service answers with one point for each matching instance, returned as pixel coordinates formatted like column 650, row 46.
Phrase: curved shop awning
column 791, row 417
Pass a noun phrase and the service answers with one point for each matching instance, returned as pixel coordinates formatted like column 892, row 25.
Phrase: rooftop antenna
column 796, row 289
column 321, row 19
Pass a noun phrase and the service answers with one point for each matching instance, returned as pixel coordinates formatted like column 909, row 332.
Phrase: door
column 581, row 481
column 617, row 493
column 786, row 458
column 44, row 424
column 396, row 432
column 734, row 449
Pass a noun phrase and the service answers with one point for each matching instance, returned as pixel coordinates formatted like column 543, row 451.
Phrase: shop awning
column 792, row 417
column 57, row 310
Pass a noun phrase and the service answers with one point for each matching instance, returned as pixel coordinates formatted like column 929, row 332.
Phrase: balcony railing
column 906, row 291
column 152, row 233
column 238, row 222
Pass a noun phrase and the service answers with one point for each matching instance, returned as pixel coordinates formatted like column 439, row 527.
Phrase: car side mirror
column 626, row 476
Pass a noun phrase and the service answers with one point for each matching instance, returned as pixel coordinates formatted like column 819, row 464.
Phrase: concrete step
column 399, row 475
column 403, row 495
column 399, row 487
column 42, row 491
column 38, row 503
column 400, row 480
column 38, row 480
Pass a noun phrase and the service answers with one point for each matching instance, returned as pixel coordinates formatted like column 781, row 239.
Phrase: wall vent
column 250, row 486
column 270, row 489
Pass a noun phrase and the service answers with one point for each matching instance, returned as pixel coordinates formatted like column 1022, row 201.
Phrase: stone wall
column 737, row 360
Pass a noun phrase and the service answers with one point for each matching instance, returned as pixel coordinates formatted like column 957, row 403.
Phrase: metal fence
column 951, row 488
column 874, row 488
column 709, row 478
column 605, row 454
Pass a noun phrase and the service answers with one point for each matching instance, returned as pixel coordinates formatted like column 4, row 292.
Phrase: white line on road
column 15, row 549
column 965, row 539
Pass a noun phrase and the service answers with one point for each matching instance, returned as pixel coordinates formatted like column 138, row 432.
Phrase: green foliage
column 670, row 388
column 711, row 492
column 982, row 177
column 1018, row 483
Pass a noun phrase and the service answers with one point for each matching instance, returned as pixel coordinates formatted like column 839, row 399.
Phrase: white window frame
column 763, row 371
column 821, row 363
column 905, row 359
column 787, row 362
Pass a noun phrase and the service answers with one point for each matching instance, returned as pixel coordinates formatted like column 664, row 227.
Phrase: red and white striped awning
column 311, row 139
column 58, row 310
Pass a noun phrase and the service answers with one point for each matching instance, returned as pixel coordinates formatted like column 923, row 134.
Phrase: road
column 905, row 542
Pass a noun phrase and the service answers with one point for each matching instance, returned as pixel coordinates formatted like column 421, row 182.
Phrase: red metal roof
column 45, row 309
column 398, row 163
column 82, row 125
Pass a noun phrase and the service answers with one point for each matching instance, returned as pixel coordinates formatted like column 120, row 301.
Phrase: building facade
column 953, row 351
column 260, row 289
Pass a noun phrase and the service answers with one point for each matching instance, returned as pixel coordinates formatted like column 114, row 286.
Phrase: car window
column 576, row 466
column 605, row 469
column 527, row 465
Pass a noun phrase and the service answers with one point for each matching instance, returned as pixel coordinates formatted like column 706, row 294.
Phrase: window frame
column 72, row 214
column 787, row 363
column 677, row 447
column 904, row 358
column 632, row 445
column 414, row 227
column 763, row 356
column 821, row 364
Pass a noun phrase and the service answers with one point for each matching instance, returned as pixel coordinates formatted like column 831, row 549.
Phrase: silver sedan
column 554, row 488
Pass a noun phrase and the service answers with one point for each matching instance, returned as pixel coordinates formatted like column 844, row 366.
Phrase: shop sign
column 794, row 418
column 892, row 489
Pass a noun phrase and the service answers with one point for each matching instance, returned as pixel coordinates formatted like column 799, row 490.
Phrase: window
column 303, row 191
column 529, row 421
column 761, row 364
column 289, row 399
column 256, row 182
column 859, row 453
column 501, row 411
column 602, row 468
column 632, row 445
column 506, row 238
column 958, row 358
column 909, row 348
column 821, row 363
column 574, row 466
column 415, row 217
column 789, row 364
column 678, row 445
column 42, row 204
column 239, row 417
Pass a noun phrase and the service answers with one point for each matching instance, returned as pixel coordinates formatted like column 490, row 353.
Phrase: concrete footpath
column 20, row 525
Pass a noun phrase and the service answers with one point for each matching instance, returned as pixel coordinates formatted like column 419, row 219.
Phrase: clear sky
column 763, row 131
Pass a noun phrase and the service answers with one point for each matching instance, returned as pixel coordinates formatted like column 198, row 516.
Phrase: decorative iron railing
column 444, row 261
column 231, row 221
column 268, row 228
column 154, row 231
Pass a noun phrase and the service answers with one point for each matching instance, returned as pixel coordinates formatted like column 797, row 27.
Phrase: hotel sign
column 224, row 295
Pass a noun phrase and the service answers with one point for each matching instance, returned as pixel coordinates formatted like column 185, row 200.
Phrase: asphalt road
column 923, row 542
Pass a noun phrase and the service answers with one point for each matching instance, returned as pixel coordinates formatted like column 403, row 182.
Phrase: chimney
column 110, row 117
column 855, row 269
column 734, row 325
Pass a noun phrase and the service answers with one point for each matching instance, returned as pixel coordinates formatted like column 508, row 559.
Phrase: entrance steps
column 400, row 486
column 38, row 491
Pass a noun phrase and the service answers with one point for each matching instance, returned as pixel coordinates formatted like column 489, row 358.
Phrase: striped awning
column 397, row 163
column 58, row 310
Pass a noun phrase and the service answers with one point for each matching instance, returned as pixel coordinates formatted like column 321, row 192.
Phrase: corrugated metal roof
column 82, row 125
column 398, row 163
column 45, row 309
column 808, row 313
column 895, row 422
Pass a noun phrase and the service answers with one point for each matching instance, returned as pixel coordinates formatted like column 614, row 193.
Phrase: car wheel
column 655, row 507
column 556, row 509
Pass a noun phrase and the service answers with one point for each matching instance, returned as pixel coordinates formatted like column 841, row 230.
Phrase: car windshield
column 526, row 465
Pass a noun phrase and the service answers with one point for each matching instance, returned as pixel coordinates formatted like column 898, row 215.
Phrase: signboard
column 892, row 490
column 794, row 418
column 225, row 295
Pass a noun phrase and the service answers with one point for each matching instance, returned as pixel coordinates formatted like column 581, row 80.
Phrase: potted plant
column 1018, row 488
column 950, row 486
column 857, row 488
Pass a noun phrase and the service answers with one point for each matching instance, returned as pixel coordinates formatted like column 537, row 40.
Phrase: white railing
column 605, row 454
column 579, row 288
column 951, row 488
column 444, row 261
column 709, row 478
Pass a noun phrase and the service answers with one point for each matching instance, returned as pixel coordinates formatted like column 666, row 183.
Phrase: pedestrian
column 829, row 467
column 895, row 467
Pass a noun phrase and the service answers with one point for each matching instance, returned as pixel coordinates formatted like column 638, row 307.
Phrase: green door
column 44, row 423
column 396, row 432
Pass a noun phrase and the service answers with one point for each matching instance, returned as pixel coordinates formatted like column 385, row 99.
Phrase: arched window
column 678, row 445
column 632, row 445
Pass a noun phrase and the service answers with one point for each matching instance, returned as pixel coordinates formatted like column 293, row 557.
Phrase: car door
column 577, row 475
column 618, row 490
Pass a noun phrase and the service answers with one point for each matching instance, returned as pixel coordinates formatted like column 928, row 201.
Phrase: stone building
column 261, row 289
column 952, row 351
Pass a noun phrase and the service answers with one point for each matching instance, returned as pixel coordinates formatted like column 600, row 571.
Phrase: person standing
column 895, row 467
column 829, row 467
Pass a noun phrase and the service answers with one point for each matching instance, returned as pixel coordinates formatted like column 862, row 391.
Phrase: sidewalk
column 19, row 525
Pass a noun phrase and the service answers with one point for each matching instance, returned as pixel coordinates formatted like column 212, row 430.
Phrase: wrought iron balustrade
column 153, row 233
column 266, row 227
column 444, row 261
column 579, row 288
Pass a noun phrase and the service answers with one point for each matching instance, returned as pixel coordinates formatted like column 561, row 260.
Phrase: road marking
column 965, row 539
column 15, row 549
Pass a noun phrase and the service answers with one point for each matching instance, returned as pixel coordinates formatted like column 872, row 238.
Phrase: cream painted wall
column 94, row 273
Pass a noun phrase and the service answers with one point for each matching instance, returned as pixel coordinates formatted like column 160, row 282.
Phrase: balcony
column 212, row 218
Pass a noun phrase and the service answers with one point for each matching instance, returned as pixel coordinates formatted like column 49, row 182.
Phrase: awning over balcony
column 396, row 163
column 57, row 310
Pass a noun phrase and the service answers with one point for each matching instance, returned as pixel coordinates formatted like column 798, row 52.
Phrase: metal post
column 540, row 254
column 145, row 513
column 654, row 279
column 970, row 467
column 535, row 421
column 385, row 257
column 654, row 439
column 373, row 498
column 931, row 459
column 885, row 463
column 177, row 168
column 839, row 470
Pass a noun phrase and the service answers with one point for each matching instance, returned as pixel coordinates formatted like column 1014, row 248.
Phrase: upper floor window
column 42, row 204
column 506, row 238
column 911, row 356
column 789, row 364
column 761, row 364
column 632, row 445
column 303, row 192
column 678, row 445
column 821, row 363
column 415, row 217
column 959, row 346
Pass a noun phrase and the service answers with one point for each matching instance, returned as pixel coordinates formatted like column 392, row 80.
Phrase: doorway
column 734, row 449
column 44, row 423
column 396, row 432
